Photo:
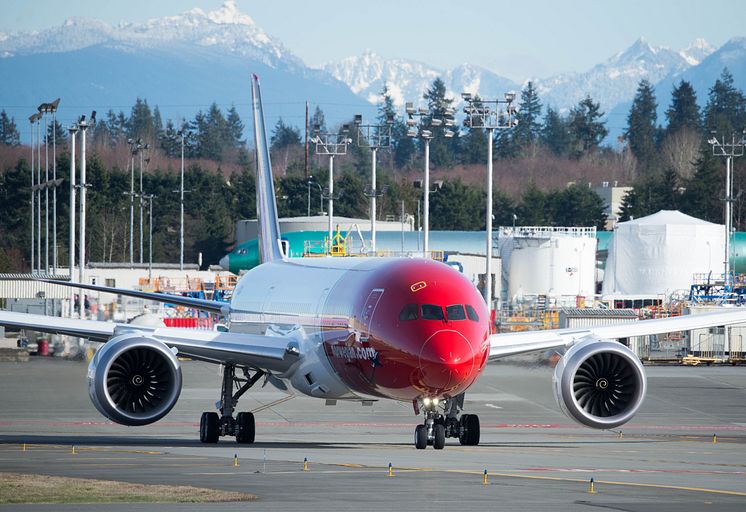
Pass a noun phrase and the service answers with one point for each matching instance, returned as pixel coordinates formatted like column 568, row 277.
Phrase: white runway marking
column 493, row 406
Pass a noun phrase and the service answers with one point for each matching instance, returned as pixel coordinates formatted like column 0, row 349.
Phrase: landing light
column 426, row 401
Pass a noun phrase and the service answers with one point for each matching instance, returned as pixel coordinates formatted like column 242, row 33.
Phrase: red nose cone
column 446, row 363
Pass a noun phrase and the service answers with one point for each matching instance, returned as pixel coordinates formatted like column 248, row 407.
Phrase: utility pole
column 53, row 109
column 375, row 137
column 73, row 135
column 83, row 125
column 73, row 132
column 32, row 120
column 428, row 120
column 38, row 192
column 149, row 198
column 488, row 115
column 331, row 145
column 142, row 200
column 729, row 149
column 134, row 146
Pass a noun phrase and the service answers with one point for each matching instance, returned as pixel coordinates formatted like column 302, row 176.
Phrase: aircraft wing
column 514, row 343
column 274, row 353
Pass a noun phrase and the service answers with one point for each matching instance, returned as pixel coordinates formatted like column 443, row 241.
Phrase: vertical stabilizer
column 270, row 244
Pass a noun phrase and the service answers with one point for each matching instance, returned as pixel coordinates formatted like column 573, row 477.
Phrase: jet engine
column 599, row 383
column 134, row 380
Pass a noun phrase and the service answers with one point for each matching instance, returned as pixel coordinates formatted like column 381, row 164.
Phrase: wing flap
column 89, row 329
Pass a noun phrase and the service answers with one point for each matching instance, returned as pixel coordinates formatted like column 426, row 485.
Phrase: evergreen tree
column 140, row 123
column 9, row 135
column 212, row 137
column 457, row 206
column 684, row 111
column 318, row 120
column 533, row 208
column 587, row 130
column 56, row 132
column 555, row 134
column 702, row 196
column 641, row 131
column 157, row 123
column 577, row 206
column 528, row 132
column 284, row 135
column 235, row 128
column 725, row 112
column 441, row 148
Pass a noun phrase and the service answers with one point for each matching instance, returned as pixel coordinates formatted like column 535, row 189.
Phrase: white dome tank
column 553, row 261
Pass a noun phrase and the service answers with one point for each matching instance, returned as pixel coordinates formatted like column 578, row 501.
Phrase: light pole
column 83, row 125
column 375, row 137
column 331, row 145
column 33, row 119
column 149, row 198
column 181, row 206
column 134, row 148
column 43, row 109
column 73, row 132
column 428, row 121
column 729, row 149
column 53, row 109
column 488, row 115
column 142, row 148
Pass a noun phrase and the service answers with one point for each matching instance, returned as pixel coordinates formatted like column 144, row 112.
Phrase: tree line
column 670, row 166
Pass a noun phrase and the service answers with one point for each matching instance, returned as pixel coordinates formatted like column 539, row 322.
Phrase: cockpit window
column 455, row 312
column 409, row 312
column 432, row 312
column 471, row 313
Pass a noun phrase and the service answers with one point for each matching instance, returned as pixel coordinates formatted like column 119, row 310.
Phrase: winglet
column 270, row 243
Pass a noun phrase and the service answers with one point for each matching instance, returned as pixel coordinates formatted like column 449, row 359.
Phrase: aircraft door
column 369, row 309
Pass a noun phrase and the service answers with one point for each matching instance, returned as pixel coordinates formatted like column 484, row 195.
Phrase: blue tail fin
column 270, row 244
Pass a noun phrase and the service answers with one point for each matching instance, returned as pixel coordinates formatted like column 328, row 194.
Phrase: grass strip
column 18, row 488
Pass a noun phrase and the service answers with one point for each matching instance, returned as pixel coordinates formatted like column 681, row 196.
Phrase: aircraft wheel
column 246, row 428
column 209, row 427
column 420, row 437
column 439, row 436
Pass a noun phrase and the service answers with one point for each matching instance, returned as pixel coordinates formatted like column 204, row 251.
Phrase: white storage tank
column 553, row 261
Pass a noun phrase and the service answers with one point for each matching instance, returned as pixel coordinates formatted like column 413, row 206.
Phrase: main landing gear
column 442, row 420
column 212, row 426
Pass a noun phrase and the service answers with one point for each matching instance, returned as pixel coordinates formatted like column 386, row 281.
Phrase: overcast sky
column 515, row 39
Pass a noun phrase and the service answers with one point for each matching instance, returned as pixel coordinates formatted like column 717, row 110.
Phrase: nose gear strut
column 444, row 420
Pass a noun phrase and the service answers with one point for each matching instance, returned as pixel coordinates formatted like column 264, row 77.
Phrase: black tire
column 472, row 430
column 462, row 429
column 246, row 428
column 209, row 427
column 439, row 436
column 420, row 437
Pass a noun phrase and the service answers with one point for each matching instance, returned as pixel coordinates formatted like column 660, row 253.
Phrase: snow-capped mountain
column 181, row 63
column 407, row 80
column 225, row 28
column 610, row 83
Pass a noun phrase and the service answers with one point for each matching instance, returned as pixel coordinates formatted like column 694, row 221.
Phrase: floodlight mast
column 83, row 125
column 729, row 149
column 375, row 137
column 73, row 132
column 331, row 145
column 488, row 114
column 423, row 128
column 32, row 120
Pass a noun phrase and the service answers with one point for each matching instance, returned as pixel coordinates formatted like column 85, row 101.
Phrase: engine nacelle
column 134, row 380
column 599, row 383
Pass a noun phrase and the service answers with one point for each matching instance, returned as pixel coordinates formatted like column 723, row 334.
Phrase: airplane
column 406, row 329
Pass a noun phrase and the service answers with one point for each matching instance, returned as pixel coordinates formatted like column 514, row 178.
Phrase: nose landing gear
column 442, row 420
column 212, row 426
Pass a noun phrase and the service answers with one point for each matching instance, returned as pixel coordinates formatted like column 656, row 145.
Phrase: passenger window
column 432, row 312
column 471, row 313
column 455, row 312
column 409, row 312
